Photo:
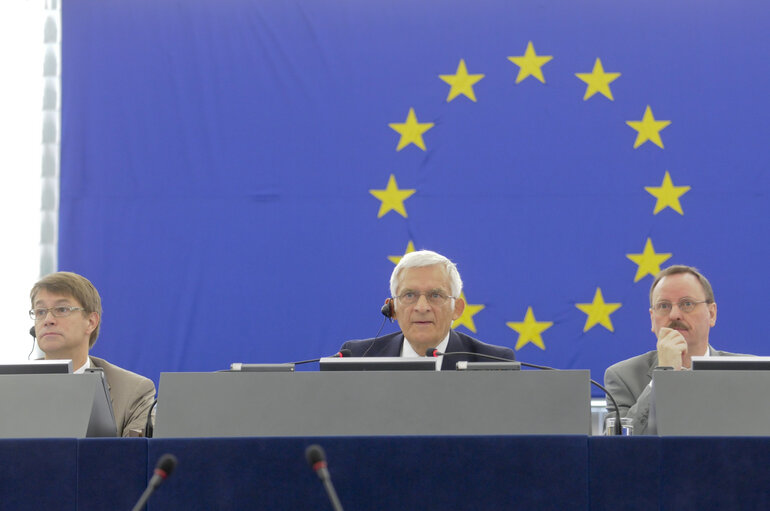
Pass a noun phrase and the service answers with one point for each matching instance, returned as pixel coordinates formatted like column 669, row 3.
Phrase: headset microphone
column 388, row 309
column 34, row 338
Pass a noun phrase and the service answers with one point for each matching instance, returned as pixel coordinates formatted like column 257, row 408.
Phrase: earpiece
column 388, row 310
column 34, row 338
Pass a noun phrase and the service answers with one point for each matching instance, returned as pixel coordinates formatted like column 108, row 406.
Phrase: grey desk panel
column 373, row 403
column 712, row 403
column 54, row 406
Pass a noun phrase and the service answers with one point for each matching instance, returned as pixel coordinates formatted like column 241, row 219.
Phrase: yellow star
column 598, row 312
column 530, row 330
column 466, row 319
column 667, row 195
column 648, row 261
column 409, row 250
column 598, row 81
column 392, row 198
column 530, row 64
column 648, row 129
column 411, row 131
column 461, row 82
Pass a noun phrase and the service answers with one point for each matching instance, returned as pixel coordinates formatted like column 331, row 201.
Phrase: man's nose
column 676, row 312
column 49, row 318
column 422, row 303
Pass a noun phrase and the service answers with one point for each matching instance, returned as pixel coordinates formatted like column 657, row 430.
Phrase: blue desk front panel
column 112, row 472
column 402, row 473
column 38, row 474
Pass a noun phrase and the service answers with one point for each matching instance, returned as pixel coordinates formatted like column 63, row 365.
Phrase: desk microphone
column 433, row 352
column 163, row 469
column 340, row 354
column 316, row 458
column 238, row 367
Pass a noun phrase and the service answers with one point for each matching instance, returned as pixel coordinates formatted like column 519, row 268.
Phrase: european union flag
column 239, row 178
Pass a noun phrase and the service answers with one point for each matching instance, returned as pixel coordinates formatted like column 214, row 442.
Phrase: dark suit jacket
column 390, row 346
column 629, row 383
column 132, row 396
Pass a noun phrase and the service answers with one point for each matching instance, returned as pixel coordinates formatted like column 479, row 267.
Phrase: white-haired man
column 425, row 289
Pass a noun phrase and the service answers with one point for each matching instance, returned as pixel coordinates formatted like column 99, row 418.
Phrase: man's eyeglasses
column 685, row 305
column 434, row 297
column 60, row 311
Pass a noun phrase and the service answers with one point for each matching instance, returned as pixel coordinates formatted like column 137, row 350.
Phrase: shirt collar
column 407, row 351
column 82, row 369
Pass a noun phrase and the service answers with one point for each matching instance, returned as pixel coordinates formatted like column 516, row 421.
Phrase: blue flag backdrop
column 238, row 178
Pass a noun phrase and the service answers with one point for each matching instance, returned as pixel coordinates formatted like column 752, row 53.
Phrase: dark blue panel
column 378, row 473
column 715, row 473
column 624, row 473
column 393, row 473
column 38, row 474
column 112, row 472
column 217, row 159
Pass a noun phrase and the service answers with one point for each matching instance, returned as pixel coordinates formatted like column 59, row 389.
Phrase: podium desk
column 373, row 403
column 711, row 403
column 55, row 406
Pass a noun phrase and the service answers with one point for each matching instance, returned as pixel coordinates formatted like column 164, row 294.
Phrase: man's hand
column 672, row 348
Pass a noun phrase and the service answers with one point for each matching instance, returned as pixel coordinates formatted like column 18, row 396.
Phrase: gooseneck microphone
column 433, row 352
column 340, row 354
column 238, row 367
column 163, row 469
column 316, row 458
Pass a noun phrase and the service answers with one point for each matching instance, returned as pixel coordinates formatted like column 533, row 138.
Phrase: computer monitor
column 378, row 364
column 731, row 363
column 37, row 367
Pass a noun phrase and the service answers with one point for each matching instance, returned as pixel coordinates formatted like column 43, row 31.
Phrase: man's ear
column 93, row 321
column 459, row 308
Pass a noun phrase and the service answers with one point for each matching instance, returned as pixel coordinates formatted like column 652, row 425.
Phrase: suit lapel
column 388, row 346
column 455, row 344
column 653, row 365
